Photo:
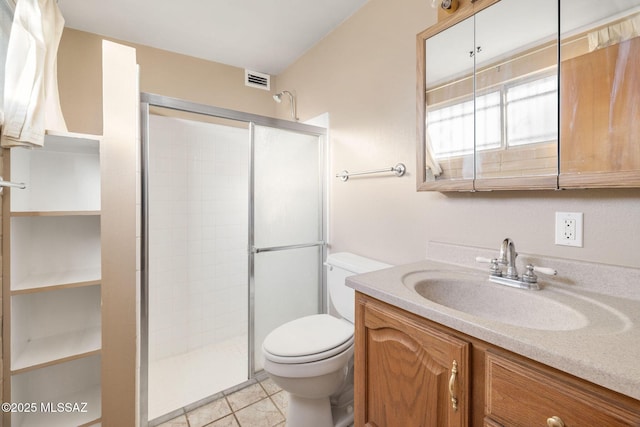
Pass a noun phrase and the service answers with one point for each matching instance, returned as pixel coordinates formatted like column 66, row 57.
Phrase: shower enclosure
column 233, row 245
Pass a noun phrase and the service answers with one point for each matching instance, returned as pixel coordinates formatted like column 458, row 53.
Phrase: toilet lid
column 308, row 335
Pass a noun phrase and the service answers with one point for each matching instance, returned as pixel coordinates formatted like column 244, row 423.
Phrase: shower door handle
column 255, row 250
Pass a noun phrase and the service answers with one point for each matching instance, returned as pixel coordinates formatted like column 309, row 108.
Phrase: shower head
column 278, row 98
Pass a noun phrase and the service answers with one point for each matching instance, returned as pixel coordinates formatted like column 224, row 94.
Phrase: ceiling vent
column 259, row 80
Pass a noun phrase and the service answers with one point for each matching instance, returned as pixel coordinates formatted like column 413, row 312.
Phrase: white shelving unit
column 54, row 325
column 54, row 244
column 54, row 251
column 69, row 264
column 61, row 177
column 75, row 382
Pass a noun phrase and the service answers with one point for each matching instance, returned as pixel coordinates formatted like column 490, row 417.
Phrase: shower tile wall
column 198, row 234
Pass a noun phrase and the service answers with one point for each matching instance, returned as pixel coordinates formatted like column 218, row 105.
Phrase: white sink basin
column 546, row 309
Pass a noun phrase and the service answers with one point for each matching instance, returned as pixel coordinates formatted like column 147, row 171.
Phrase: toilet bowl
column 311, row 358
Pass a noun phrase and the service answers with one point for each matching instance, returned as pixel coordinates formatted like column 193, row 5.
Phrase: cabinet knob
column 453, row 386
column 555, row 422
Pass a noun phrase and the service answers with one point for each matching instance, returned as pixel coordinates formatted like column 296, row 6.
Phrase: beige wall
column 363, row 74
column 161, row 72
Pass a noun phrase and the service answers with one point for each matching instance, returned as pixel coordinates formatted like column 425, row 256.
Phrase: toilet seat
column 308, row 339
column 309, row 358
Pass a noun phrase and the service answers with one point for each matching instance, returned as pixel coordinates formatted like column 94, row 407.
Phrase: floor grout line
column 269, row 392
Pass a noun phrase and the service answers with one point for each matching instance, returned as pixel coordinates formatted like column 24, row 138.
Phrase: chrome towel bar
column 20, row 185
column 398, row 169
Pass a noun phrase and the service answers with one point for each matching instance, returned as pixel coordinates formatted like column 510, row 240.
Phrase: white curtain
column 31, row 100
column 614, row 34
column 431, row 163
column 6, row 18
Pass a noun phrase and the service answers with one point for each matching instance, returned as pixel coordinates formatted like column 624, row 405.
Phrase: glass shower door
column 287, row 245
column 198, row 176
column 206, row 302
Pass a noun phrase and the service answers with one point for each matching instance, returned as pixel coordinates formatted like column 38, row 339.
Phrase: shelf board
column 57, row 280
column 91, row 396
column 54, row 134
column 93, row 423
column 54, row 213
column 60, row 348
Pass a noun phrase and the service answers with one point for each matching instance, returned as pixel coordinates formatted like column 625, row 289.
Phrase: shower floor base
column 178, row 381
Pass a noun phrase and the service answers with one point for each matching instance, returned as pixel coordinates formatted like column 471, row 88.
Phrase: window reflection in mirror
column 517, row 90
column 491, row 97
column 599, row 102
column 449, row 135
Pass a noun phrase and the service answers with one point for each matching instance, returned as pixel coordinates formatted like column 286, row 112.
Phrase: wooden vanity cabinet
column 407, row 373
column 403, row 366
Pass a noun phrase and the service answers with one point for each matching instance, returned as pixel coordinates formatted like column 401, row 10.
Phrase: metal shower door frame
column 148, row 100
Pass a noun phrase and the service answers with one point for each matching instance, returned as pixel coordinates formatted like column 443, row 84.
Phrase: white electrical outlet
column 569, row 228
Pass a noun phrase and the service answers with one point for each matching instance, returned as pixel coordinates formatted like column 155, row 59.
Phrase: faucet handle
column 494, row 268
column 545, row 270
column 530, row 277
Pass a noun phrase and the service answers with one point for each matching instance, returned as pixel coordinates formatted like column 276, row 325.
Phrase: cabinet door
column 487, row 104
column 406, row 373
column 600, row 118
column 446, row 138
column 600, row 86
column 516, row 95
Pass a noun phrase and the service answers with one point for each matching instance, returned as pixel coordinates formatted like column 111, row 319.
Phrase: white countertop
column 606, row 351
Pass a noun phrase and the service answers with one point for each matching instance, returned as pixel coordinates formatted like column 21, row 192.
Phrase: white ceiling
column 260, row 35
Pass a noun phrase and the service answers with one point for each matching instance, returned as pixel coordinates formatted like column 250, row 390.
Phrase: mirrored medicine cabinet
column 515, row 94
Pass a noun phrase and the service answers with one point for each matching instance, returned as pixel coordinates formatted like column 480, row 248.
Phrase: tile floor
column 261, row 404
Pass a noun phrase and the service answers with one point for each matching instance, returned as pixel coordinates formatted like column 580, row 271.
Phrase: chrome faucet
column 508, row 257
column 510, row 277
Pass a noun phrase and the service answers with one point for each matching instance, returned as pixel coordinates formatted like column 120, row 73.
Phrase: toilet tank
column 340, row 266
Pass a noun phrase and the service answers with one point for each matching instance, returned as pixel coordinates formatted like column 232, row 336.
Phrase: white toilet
column 311, row 358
